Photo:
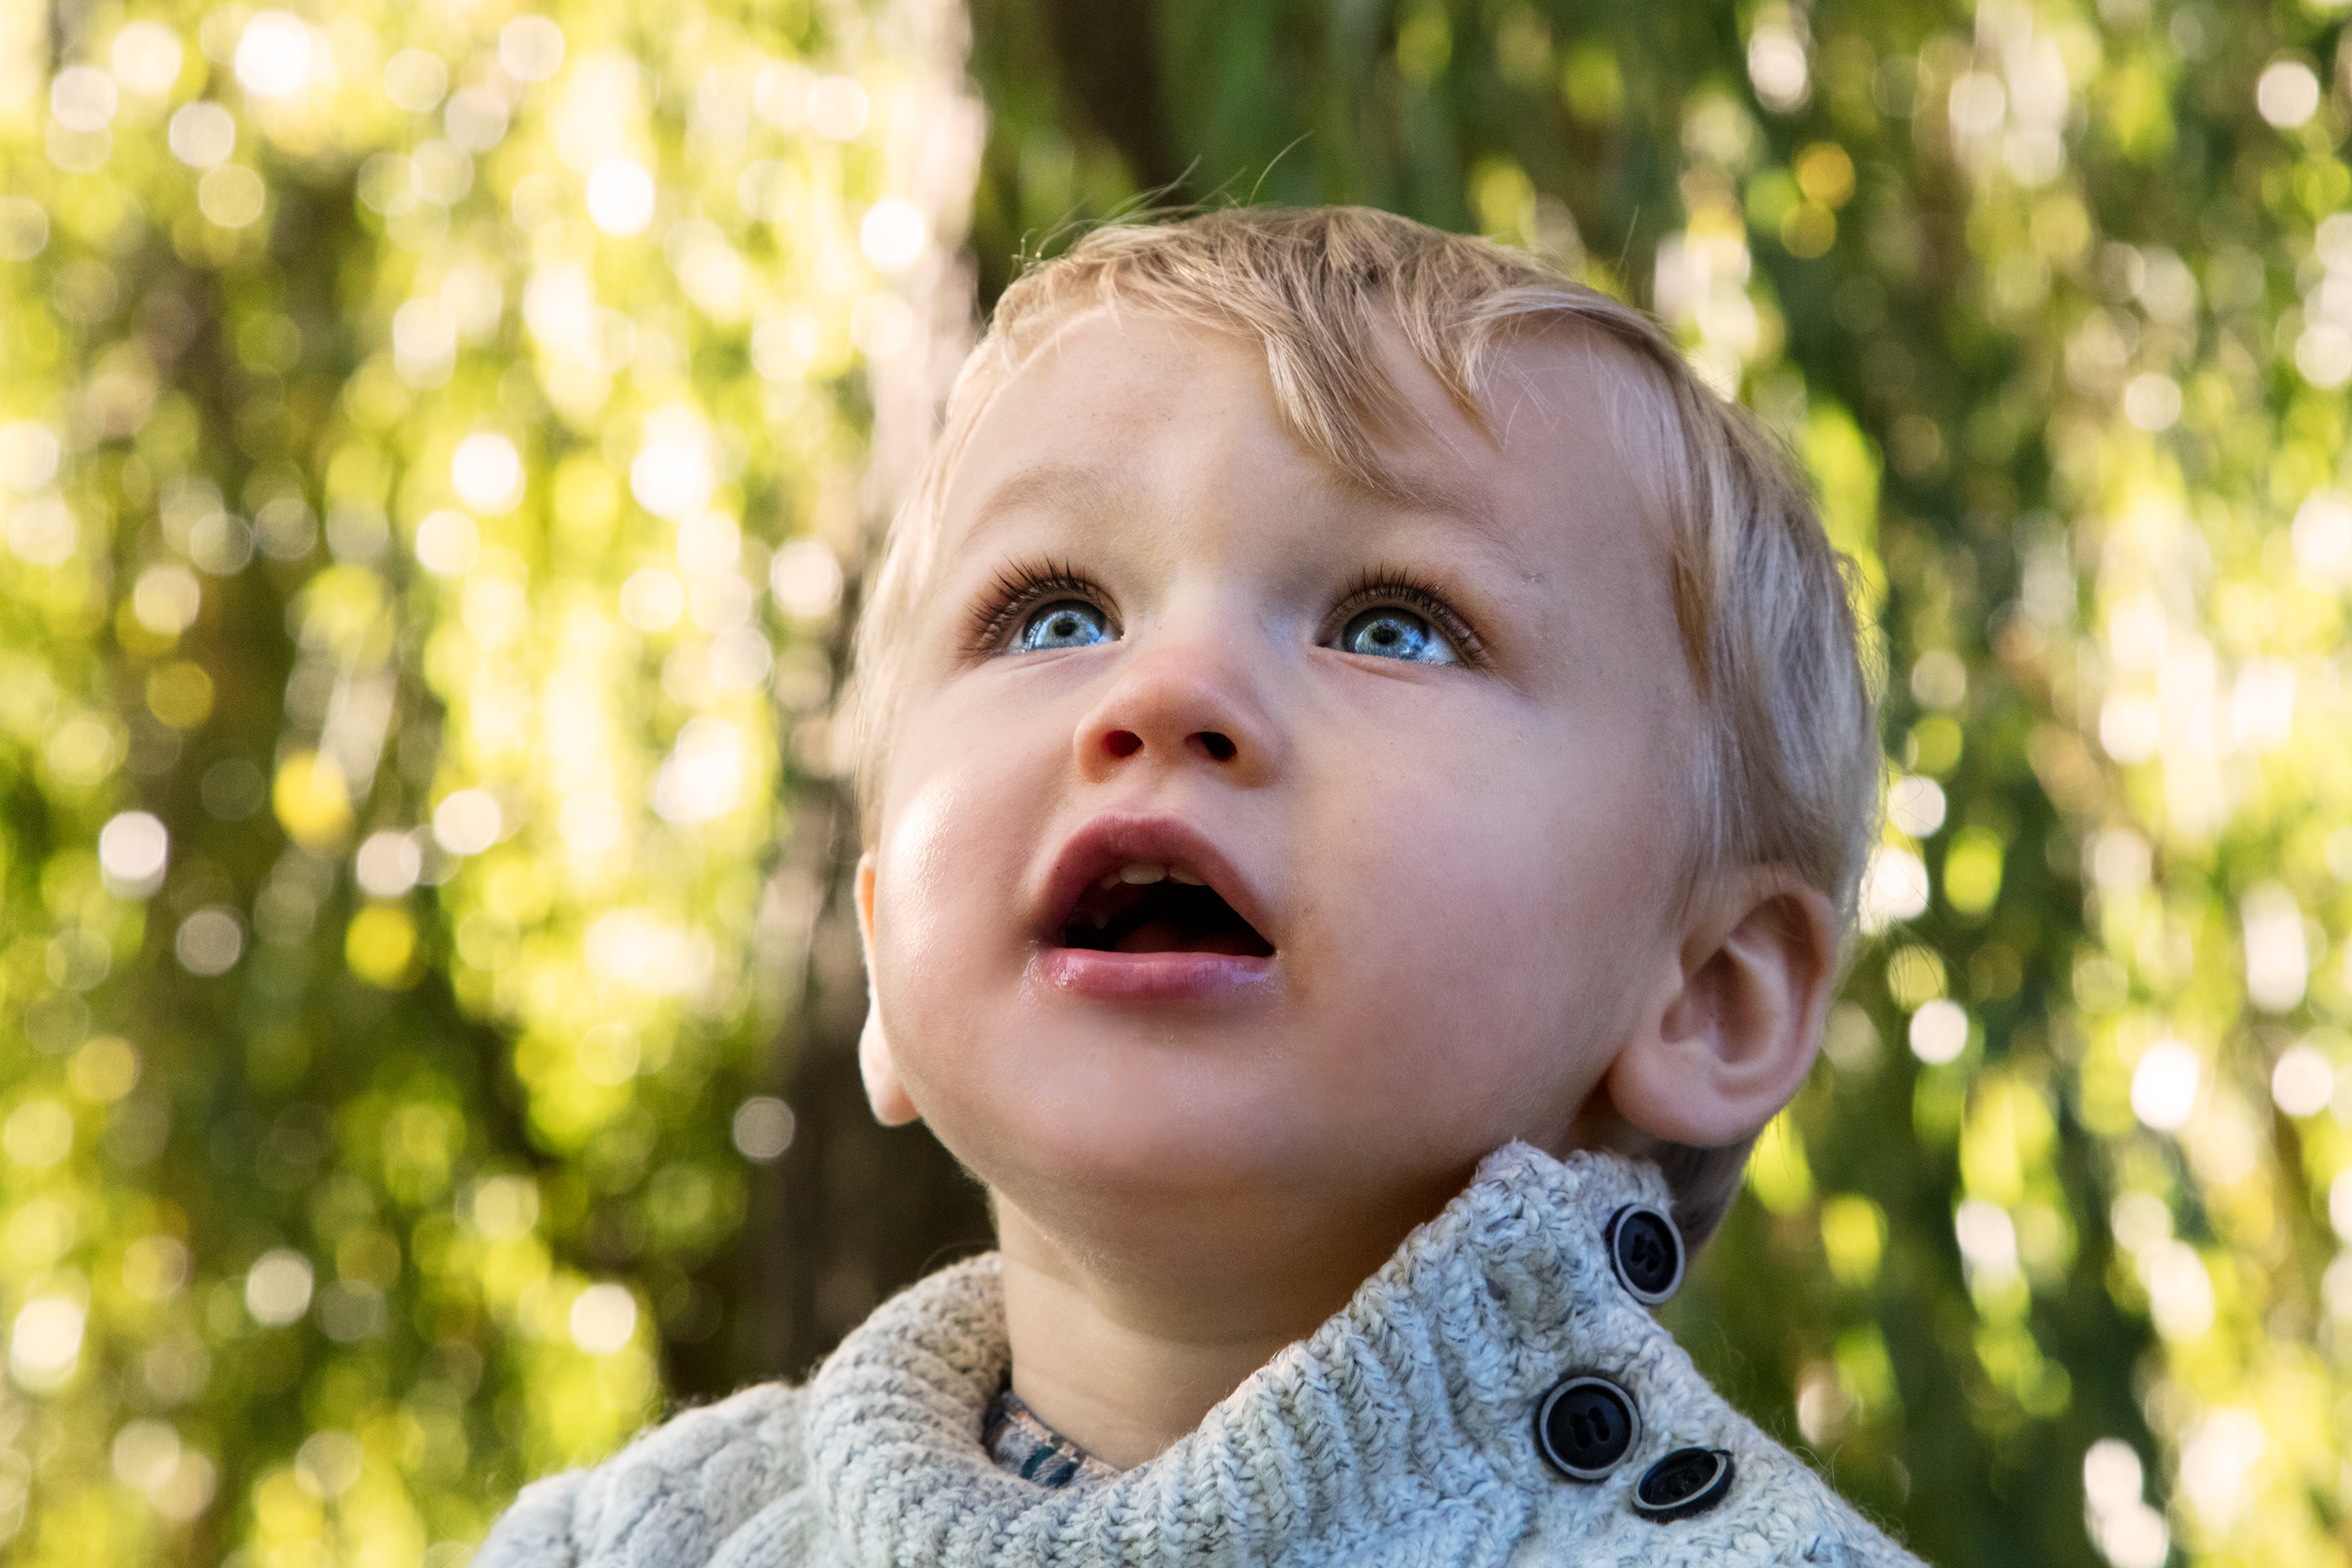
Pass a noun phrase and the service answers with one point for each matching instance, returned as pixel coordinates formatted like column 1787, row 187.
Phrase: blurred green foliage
column 436, row 446
column 431, row 441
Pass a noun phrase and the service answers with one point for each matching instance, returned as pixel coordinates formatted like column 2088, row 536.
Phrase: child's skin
column 1470, row 873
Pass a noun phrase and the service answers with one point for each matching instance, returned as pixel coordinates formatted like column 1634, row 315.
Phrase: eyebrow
column 1081, row 489
column 1417, row 490
column 1076, row 487
column 1428, row 492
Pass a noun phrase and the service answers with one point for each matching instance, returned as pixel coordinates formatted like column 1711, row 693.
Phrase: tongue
column 1165, row 936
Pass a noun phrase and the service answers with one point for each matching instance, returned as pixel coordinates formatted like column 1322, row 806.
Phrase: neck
column 1124, row 1359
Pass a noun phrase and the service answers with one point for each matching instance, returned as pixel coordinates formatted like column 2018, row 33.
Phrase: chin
column 1141, row 1154
column 1203, row 1183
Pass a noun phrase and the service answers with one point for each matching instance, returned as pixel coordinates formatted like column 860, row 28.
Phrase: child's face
column 1450, row 860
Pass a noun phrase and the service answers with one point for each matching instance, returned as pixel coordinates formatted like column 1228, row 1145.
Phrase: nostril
column 1122, row 742
column 1217, row 746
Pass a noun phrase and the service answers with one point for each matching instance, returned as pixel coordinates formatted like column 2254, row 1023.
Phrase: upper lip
column 1110, row 842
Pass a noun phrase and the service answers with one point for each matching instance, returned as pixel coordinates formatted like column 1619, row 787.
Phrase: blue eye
column 1065, row 624
column 1387, row 631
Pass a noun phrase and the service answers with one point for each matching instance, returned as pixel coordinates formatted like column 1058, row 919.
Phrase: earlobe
column 1734, row 1036
column 893, row 1107
column 884, row 1091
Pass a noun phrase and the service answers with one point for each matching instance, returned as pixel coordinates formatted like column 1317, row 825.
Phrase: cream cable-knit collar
column 1409, row 1418
column 1402, row 1431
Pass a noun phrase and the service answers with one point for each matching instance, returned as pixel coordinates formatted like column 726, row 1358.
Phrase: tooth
column 1142, row 875
column 1109, row 880
column 1178, row 874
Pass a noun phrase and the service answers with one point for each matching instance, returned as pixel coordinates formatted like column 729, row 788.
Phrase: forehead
column 1565, row 434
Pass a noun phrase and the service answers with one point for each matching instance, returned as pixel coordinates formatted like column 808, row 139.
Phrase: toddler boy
column 1365, row 768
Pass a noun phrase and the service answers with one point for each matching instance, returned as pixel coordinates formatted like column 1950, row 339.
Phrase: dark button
column 1647, row 1250
column 1586, row 1425
column 1686, row 1483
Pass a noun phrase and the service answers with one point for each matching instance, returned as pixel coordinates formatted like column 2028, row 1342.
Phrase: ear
column 884, row 1091
column 1731, row 1036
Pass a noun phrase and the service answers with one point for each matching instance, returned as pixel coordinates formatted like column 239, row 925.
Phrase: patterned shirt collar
column 1023, row 1446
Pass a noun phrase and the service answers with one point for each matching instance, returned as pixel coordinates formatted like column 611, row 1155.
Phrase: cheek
column 958, row 823
column 1512, row 881
column 916, row 870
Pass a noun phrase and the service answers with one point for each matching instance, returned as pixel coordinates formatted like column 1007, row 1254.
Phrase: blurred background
column 440, row 444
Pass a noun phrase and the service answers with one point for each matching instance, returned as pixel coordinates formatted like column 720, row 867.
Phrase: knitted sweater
column 1496, row 1394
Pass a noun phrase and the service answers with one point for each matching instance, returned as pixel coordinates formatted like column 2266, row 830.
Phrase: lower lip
column 1151, row 976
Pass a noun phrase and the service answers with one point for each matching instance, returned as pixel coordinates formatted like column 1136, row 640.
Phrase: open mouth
column 1145, row 908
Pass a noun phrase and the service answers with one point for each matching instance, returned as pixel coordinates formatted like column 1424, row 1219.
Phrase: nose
column 1187, row 703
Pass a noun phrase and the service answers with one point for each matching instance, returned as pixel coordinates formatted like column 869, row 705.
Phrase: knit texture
column 1401, row 1432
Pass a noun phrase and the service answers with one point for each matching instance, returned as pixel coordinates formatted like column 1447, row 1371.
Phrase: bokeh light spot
column 2164, row 1085
column 30, row 451
column 277, row 1287
column 210, row 941
column 652, row 600
column 805, row 577
column 531, row 48
column 273, row 56
column 893, row 234
column 837, row 107
column 312, row 799
column 84, row 98
column 146, row 58
column 2302, row 1080
column 231, row 195
column 1939, row 1032
column 415, row 80
column 388, row 864
column 38, row 1133
column 620, row 196
column 1894, row 887
column 2288, row 94
column 132, row 851
column 447, row 543
column 45, row 1342
column 486, row 472
column 763, row 1127
column 202, row 135
column 603, row 1319
column 468, row 821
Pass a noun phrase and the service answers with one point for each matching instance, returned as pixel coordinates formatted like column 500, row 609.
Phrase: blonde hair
column 1787, row 762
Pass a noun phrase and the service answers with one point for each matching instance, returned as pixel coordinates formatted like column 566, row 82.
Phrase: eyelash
column 1388, row 585
column 1021, row 588
column 1026, row 585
